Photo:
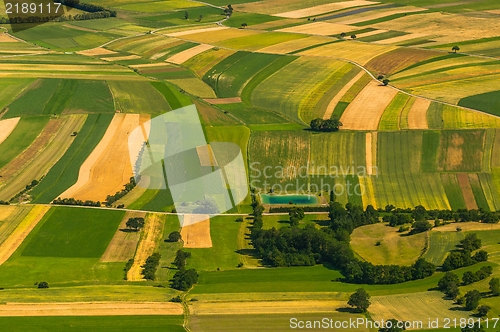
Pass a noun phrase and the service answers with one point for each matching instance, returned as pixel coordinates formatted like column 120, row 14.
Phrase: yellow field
column 320, row 28
column 197, row 234
column 206, row 155
column 394, row 248
column 108, row 168
column 4, row 38
column 467, row 227
column 294, row 45
column 330, row 7
column 210, row 37
column 184, row 56
column 96, row 51
column 400, row 39
column 15, row 239
column 365, row 111
column 6, row 211
column 454, row 117
column 151, row 235
column 6, row 127
column 203, row 62
column 121, row 58
column 352, row 50
column 373, row 15
column 417, row 117
column 91, row 309
column 124, row 243
column 190, row 31
column 195, row 86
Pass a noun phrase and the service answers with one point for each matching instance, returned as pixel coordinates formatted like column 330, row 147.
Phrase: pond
column 286, row 199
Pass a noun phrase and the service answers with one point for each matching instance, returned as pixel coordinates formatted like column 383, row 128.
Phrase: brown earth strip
column 151, row 235
column 122, row 246
column 417, row 117
column 218, row 101
column 6, row 128
column 365, row 111
column 369, row 159
column 333, row 103
column 394, row 61
column 466, row 227
column 470, row 201
column 197, row 234
column 326, row 8
column 184, row 56
column 96, row 51
column 91, row 309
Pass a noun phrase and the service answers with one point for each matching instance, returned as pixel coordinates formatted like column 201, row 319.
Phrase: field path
column 10, row 245
column 108, row 167
column 470, row 201
column 152, row 232
column 365, row 111
column 7, row 127
column 331, row 106
column 91, row 309
column 417, row 117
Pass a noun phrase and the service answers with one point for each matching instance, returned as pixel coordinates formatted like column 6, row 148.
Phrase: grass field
column 65, row 172
column 394, row 248
column 21, row 138
column 487, row 102
column 11, row 88
column 96, row 323
column 461, row 150
column 390, row 118
column 251, row 115
column 440, row 243
column 128, row 101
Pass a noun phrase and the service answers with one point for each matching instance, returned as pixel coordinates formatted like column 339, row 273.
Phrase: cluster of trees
column 287, row 209
column 87, row 7
column 43, row 284
column 183, row 279
column 360, row 300
column 308, row 246
column 110, row 199
column 28, row 187
column 72, row 201
column 29, row 19
column 325, row 125
column 175, row 236
column 127, row 267
column 4, row 203
column 135, row 223
column 228, row 11
column 460, row 258
column 420, row 213
column 296, row 214
column 450, row 282
column 150, row 267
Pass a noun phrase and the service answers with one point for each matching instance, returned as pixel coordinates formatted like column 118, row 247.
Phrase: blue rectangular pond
column 286, row 199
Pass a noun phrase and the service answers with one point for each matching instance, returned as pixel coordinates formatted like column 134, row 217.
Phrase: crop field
column 96, row 323
column 205, row 61
column 65, row 172
column 391, row 117
column 270, row 93
column 216, row 36
column 461, row 150
column 295, row 45
column 194, row 86
column 453, row 191
column 11, row 217
column 394, row 61
column 10, row 88
column 124, row 243
column 340, row 89
column 127, row 101
column 251, row 115
column 457, row 118
column 394, row 248
column 440, row 243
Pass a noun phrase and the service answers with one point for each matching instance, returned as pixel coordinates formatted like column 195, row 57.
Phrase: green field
column 66, row 232
column 128, row 101
column 65, row 172
column 251, row 115
column 487, row 102
column 440, row 244
column 21, row 138
column 11, row 88
column 94, row 323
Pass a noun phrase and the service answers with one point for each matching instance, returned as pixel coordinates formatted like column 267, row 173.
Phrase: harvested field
column 190, row 32
column 210, row 37
column 206, row 155
column 36, row 161
column 417, row 117
column 197, row 234
column 122, row 58
column 333, row 103
column 6, row 127
column 91, row 309
column 461, row 150
column 11, row 217
column 124, row 243
column 383, row 13
column 184, row 56
column 463, row 181
column 320, row 28
column 195, row 86
column 330, row 7
column 152, row 232
column 365, row 111
column 394, row 61
column 369, row 155
column 15, row 239
column 5, row 38
column 414, row 307
column 400, row 39
column 6, row 211
column 295, row 45
column 467, row 227
column 220, row 101
column 108, row 168
column 370, row 33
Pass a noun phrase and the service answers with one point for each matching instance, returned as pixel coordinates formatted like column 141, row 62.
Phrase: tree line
column 183, row 279
column 149, row 268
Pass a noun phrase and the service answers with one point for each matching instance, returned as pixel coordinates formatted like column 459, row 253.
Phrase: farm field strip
column 453, row 191
column 403, row 118
column 489, row 190
column 398, row 59
column 391, row 117
column 211, row 37
column 196, row 234
column 441, row 241
column 465, row 186
column 96, row 52
column 294, row 45
column 320, row 29
column 194, row 86
column 365, row 111
column 184, row 56
column 21, row 171
column 11, row 217
column 127, row 101
column 257, row 41
column 381, row 14
column 123, row 245
column 91, row 309
column 107, row 169
column 10, row 245
column 205, row 61
column 479, row 194
column 335, row 100
column 6, row 127
column 458, row 118
column 152, row 233
column 400, row 39
column 321, row 9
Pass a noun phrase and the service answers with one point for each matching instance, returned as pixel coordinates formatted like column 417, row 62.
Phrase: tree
column 455, row 49
column 360, row 299
column 420, row 226
column 391, row 326
column 353, row 36
column 184, row 279
column 476, row 328
column 483, row 310
column 445, row 282
column 43, row 284
column 342, row 35
column 328, row 125
column 480, row 256
column 199, row 18
column 495, row 286
column 472, row 299
column 135, row 223
column 385, row 81
column 316, row 124
column 180, row 259
column 452, row 291
column 469, row 278
column 296, row 215
column 186, row 15
column 174, row 236
column 244, row 25
column 471, row 242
